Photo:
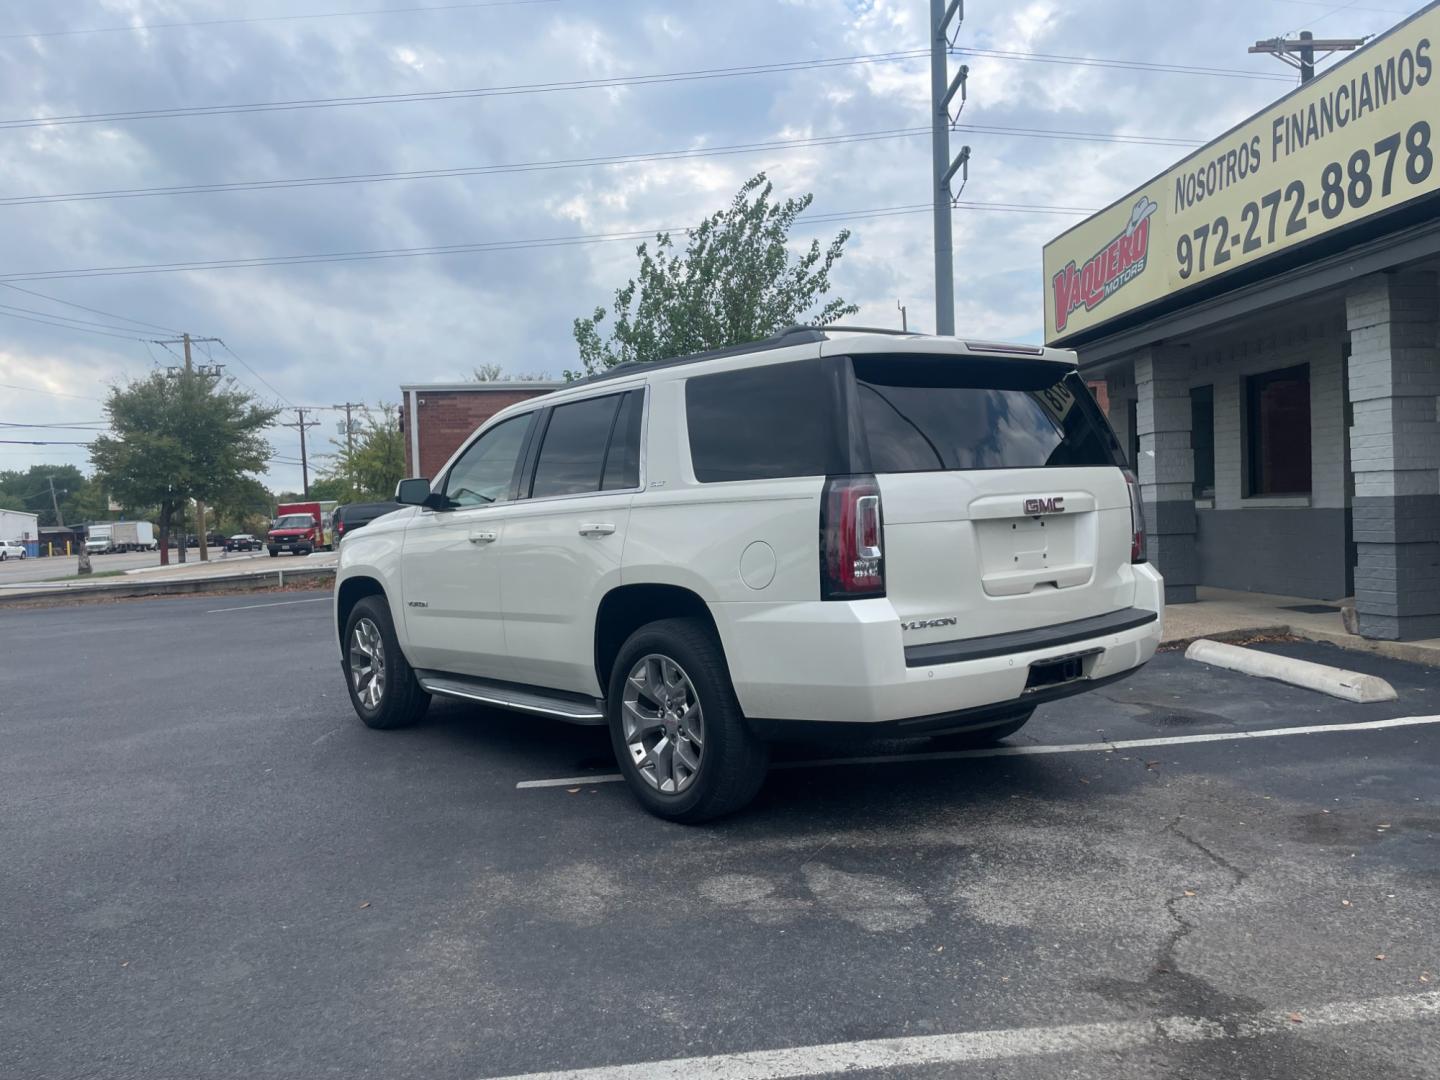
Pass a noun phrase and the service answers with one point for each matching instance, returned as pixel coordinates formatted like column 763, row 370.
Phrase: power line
column 53, row 393
column 80, row 323
column 698, row 74
column 693, row 75
column 257, row 374
column 41, row 442
column 79, row 425
column 92, row 310
column 1349, row 7
column 807, row 142
column 502, row 245
column 1126, row 65
column 11, row 314
column 135, row 27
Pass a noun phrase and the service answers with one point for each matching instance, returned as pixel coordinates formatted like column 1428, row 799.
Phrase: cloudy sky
column 318, row 333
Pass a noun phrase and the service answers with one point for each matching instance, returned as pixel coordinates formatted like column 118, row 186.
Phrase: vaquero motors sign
column 1107, row 271
column 1354, row 142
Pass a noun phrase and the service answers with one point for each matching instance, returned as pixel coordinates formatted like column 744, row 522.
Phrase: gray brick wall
column 1162, row 380
column 1394, row 324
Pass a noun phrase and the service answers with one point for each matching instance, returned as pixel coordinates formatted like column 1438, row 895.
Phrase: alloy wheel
column 663, row 723
column 367, row 663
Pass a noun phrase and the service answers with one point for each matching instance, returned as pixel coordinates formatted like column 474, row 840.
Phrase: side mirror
column 412, row 492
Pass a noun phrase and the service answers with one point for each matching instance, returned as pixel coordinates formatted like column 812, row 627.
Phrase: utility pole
column 55, row 503
column 904, row 320
column 208, row 371
column 1300, row 52
column 350, row 439
column 302, row 424
column 942, row 91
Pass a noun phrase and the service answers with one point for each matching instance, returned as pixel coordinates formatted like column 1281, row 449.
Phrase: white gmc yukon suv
column 829, row 530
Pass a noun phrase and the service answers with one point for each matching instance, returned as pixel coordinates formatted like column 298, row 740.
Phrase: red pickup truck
column 301, row 528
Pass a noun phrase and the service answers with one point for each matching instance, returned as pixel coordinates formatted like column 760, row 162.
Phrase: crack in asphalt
column 1165, row 956
column 1219, row 860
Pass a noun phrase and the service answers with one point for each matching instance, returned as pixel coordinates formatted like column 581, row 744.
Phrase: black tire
column 402, row 701
column 986, row 736
column 732, row 760
column 274, row 554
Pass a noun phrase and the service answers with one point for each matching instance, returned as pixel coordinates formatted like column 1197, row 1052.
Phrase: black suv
column 346, row 519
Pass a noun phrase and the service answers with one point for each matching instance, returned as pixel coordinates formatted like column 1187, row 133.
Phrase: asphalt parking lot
column 211, row 869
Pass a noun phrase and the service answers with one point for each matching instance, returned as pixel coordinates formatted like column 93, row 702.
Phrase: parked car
column 242, row 542
column 346, row 519
column 828, row 531
column 11, row 549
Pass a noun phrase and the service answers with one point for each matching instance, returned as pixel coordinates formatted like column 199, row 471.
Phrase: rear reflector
column 1137, row 520
column 852, row 539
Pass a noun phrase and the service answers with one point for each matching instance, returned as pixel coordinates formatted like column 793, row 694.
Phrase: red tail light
column 1137, row 520
column 852, row 539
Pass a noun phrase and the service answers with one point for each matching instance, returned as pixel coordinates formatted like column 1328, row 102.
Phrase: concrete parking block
column 1337, row 682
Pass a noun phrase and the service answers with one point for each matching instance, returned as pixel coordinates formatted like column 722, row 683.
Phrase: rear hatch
column 1005, row 505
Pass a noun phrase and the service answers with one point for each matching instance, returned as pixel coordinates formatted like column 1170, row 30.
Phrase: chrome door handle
column 597, row 528
column 484, row 536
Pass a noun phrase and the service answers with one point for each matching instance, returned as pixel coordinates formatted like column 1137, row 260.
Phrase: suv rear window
column 928, row 414
column 761, row 423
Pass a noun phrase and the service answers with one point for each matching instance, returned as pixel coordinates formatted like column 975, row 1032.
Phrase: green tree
column 245, row 507
column 736, row 281
column 29, row 490
column 177, row 439
column 372, row 462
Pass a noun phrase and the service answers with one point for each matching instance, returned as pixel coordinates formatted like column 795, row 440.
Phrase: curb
column 1337, row 682
column 262, row 579
column 1393, row 650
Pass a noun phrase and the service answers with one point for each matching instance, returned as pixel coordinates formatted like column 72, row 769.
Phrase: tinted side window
column 572, row 456
column 763, row 422
column 924, row 414
column 622, row 461
column 486, row 470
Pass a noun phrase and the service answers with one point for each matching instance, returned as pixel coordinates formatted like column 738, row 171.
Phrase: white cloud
column 356, row 330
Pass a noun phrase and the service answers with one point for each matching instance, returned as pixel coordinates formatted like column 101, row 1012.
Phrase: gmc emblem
column 1055, row 504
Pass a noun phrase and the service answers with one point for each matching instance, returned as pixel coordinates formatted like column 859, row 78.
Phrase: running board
column 572, row 708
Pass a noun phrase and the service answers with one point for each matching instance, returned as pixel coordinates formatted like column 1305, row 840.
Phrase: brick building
column 1266, row 318
column 437, row 417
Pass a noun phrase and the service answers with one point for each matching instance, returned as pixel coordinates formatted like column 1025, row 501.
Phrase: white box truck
column 111, row 536
column 132, row 536
column 97, row 539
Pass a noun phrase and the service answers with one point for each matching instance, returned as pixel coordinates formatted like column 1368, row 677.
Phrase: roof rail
column 847, row 329
column 793, row 335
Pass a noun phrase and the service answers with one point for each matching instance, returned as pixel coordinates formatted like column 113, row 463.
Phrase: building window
column 1202, row 439
column 1278, row 431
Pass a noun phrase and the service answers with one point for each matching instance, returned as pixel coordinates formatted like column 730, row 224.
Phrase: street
column 213, row 869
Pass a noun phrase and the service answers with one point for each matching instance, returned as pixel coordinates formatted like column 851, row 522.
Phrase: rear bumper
column 846, row 663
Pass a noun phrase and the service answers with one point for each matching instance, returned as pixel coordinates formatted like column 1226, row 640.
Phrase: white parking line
column 1029, row 751
column 277, row 603
column 1101, row 1038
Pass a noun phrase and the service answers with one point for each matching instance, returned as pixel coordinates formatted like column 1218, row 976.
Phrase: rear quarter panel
column 695, row 535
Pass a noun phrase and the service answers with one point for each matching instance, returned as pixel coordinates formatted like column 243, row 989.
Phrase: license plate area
column 1018, row 555
column 1057, row 671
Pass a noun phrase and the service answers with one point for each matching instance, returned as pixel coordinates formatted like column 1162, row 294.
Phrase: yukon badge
column 1055, row 504
column 925, row 624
